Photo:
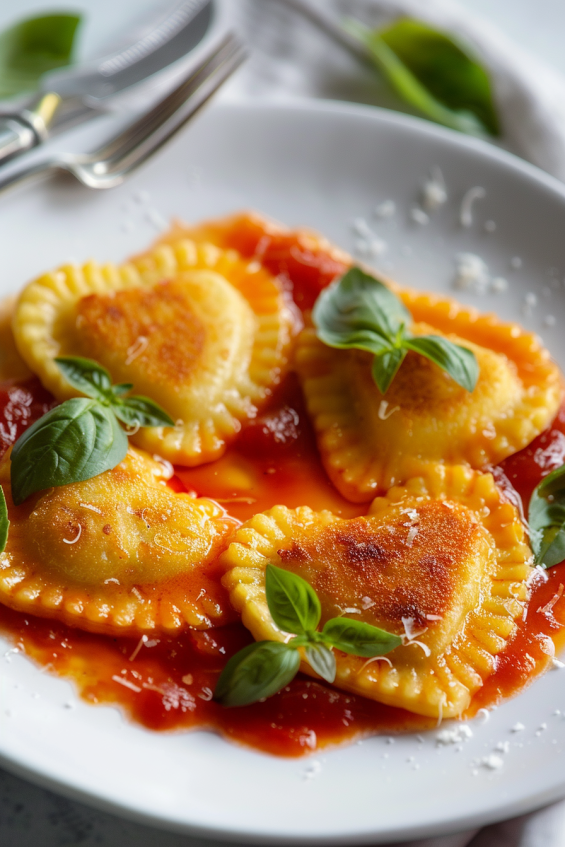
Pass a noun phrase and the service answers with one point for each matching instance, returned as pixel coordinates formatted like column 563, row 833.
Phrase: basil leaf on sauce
column 359, row 312
column 4, row 522
column 141, row 411
column 32, row 47
column 75, row 441
column 359, row 638
column 433, row 72
column 257, row 671
column 546, row 519
column 293, row 604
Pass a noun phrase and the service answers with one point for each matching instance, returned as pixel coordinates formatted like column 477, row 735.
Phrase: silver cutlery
column 116, row 159
column 72, row 95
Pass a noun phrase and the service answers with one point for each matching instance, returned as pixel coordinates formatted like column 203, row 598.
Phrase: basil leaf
column 322, row 660
column 459, row 362
column 4, row 521
column 385, row 367
column 121, row 388
column 257, row 671
column 359, row 311
column 293, row 604
column 87, row 376
column 142, row 411
column 546, row 519
column 75, row 441
column 359, row 638
column 434, row 73
column 33, row 47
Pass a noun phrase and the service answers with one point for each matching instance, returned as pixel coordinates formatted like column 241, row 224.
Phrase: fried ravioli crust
column 369, row 442
column 200, row 330
column 120, row 554
column 440, row 561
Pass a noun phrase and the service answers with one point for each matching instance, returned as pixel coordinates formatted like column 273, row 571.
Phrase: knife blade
column 71, row 95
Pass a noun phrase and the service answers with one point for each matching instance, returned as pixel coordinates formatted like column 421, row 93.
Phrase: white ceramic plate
column 321, row 166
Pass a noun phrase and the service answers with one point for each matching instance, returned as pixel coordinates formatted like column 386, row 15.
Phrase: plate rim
column 509, row 808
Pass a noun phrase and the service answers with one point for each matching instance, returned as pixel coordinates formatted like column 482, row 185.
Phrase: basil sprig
column 546, row 519
column 82, row 437
column 360, row 312
column 434, row 73
column 261, row 669
column 4, row 522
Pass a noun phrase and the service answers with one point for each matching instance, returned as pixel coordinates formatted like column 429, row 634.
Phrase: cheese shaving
column 136, row 349
column 547, row 610
column 140, row 644
column 74, row 540
column 466, row 211
column 384, row 412
column 126, row 684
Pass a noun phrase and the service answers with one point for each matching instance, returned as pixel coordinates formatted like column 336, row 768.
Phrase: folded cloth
column 291, row 58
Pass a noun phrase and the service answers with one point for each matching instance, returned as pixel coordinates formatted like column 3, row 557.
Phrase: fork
column 109, row 166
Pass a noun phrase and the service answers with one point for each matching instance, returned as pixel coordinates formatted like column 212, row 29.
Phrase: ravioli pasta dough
column 440, row 561
column 200, row 330
column 369, row 442
column 118, row 554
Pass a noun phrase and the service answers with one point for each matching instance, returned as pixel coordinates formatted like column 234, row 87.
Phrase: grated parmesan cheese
column 434, row 192
column 471, row 273
column 469, row 198
column 386, row 209
column 419, row 216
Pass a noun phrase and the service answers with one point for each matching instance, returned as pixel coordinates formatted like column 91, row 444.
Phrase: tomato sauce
column 167, row 683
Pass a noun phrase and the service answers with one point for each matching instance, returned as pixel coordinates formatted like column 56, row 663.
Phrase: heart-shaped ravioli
column 120, row 553
column 199, row 330
column 369, row 441
column 441, row 562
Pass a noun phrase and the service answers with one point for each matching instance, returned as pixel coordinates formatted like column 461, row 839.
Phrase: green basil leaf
column 546, row 519
column 459, row 362
column 433, row 72
column 385, row 367
column 87, row 376
column 142, row 411
column 359, row 638
column 32, row 47
column 359, row 311
column 4, row 521
column 293, row 604
column 121, row 388
column 257, row 671
column 75, row 441
column 322, row 660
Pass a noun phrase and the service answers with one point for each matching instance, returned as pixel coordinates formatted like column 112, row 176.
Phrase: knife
column 72, row 95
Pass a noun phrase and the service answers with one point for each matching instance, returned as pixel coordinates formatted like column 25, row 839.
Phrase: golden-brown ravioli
column 440, row 561
column 120, row 554
column 369, row 442
column 200, row 330
column 12, row 366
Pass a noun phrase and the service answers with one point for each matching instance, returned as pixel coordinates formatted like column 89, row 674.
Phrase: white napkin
column 291, row 58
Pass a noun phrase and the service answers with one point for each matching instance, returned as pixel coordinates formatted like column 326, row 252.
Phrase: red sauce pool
column 167, row 683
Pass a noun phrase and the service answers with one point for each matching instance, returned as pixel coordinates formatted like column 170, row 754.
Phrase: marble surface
column 33, row 817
